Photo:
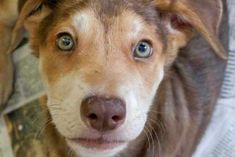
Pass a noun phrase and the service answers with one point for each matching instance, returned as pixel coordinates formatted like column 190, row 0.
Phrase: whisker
column 156, row 135
column 152, row 141
column 146, row 133
column 159, row 124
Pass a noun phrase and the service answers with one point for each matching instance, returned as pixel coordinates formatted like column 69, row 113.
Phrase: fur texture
column 170, row 97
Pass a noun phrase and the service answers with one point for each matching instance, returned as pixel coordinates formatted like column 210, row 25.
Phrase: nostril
column 93, row 116
column 116, row 118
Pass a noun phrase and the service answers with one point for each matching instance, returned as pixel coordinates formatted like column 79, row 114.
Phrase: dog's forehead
column 102, row 11
column 86, row 20
column 111, row 8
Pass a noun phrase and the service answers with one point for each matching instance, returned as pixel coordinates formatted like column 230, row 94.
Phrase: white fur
column 84, row 152
column 83, row 20
column 137, row 27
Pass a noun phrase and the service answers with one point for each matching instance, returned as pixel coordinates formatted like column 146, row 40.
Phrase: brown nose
column 103, row 114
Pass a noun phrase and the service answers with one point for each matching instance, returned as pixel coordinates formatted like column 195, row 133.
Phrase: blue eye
column 65, row 42
column 143, row 50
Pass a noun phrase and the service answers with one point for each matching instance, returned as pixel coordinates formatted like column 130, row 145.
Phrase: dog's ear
column 202, row 15
column 31, row 14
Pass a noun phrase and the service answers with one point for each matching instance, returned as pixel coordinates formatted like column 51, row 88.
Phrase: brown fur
column 193, row 73
column 8, row 13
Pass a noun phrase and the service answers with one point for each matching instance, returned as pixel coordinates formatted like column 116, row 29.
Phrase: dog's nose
column 103, row 114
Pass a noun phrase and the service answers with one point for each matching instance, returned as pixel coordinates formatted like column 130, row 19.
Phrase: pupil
column 142, row 48
column 66, row 41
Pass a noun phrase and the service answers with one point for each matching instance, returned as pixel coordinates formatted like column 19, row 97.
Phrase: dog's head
column 103, row 60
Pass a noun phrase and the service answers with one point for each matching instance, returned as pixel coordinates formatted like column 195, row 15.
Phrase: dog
column 125, row 78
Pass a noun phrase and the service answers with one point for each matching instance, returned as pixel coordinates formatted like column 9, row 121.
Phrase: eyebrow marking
column 83, row 20
column 137, row 27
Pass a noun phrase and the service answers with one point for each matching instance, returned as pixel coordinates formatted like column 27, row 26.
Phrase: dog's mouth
column 98, row 144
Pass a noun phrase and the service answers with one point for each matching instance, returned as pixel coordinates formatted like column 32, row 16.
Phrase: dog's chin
column 99, row 148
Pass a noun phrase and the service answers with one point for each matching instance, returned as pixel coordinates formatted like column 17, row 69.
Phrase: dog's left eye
column 65, row 42
column 143, row 50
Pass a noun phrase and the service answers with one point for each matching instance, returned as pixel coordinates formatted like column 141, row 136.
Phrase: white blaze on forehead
column 83, row 20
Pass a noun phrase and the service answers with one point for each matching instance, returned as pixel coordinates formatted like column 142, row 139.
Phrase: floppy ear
column 203, row 15
column 32, row 13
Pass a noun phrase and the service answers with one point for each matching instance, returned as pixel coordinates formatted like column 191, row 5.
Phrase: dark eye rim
column 59, row 35
column 135, row 46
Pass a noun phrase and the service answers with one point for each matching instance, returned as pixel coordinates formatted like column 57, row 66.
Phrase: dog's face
column 102, row 63
column 97, row 68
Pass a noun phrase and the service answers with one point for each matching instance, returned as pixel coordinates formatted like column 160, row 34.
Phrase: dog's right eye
column 65, row 42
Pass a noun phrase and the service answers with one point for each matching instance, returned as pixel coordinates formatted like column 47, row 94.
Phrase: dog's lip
column 99, row 144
